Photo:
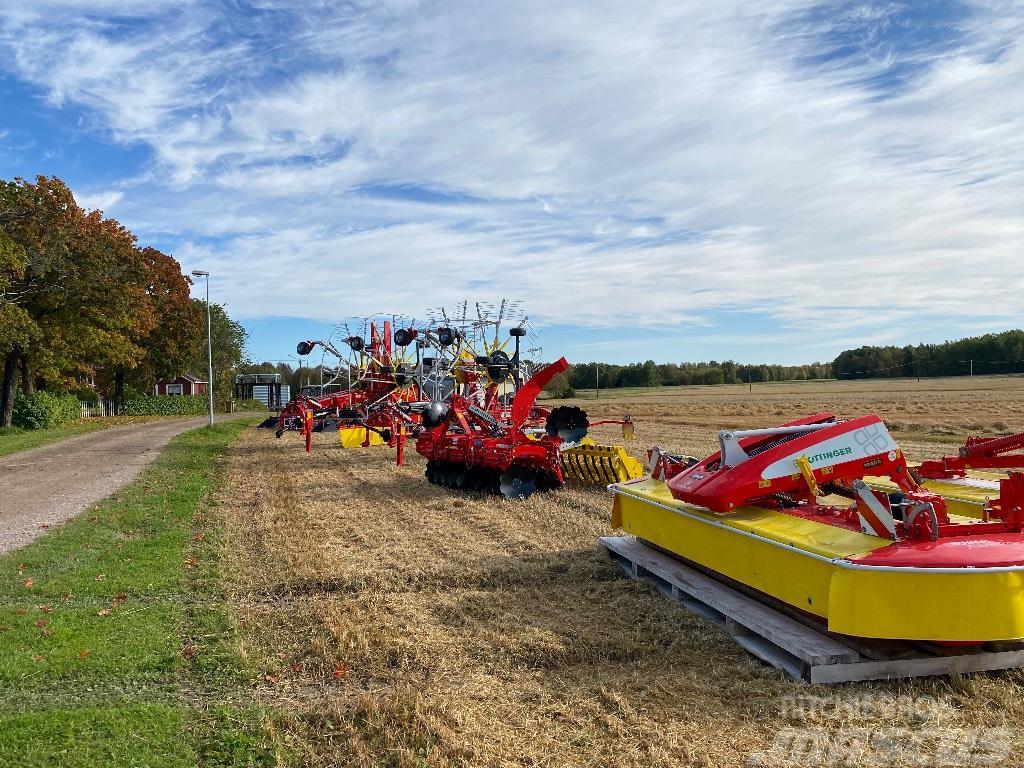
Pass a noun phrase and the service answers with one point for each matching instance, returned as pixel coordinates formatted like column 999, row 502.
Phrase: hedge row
column 165, row 405
column 250, row 405
column 43, row 410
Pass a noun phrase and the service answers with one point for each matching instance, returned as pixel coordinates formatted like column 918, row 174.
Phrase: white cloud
column 102, row 201
column 653, row 163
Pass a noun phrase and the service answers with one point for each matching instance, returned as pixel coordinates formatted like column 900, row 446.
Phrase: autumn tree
column 34, row 230
column 78, row 295
column 16, row 327
column 117, row 313
column 172, row 329
column 228, row 348
column 83, row 289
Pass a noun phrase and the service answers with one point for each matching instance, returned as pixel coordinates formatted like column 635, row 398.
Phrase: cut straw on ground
column 399, row 623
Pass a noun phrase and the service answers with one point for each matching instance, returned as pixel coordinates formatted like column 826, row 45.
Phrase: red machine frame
column 373, row 403
column 772, row 468
column 977, row 453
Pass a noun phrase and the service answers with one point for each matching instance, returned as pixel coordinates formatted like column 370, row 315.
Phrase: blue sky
column 770, row 181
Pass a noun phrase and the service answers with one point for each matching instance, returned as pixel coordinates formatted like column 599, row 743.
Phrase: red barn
column 186, row 384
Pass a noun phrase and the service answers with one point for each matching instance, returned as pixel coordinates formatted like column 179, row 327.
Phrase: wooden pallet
column 802, row 651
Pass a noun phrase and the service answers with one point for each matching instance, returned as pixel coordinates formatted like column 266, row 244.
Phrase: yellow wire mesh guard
column 593, row 463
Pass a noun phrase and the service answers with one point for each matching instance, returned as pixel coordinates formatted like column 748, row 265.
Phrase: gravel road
column 48, row 485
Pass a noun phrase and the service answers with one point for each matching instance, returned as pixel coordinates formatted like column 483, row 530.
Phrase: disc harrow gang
column 515, row 483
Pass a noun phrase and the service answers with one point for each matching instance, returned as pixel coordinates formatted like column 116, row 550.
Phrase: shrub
column 86, row 395
column 165, row 405
column 249, row 405
column 43, row 410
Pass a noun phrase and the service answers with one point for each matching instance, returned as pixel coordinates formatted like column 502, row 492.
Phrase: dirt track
column 47, row 485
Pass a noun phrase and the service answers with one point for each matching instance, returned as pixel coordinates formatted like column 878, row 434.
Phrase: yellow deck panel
column 354, row 437
column 963, row 497
column 808, row 535
column 805, row 563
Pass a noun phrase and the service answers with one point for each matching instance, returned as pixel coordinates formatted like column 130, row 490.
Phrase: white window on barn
column 174, row 389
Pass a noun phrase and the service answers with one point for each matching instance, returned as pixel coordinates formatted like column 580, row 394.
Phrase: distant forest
column 651, row 374
column 991, row 353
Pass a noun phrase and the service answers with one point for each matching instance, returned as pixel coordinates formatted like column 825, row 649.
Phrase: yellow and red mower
column 789, row 512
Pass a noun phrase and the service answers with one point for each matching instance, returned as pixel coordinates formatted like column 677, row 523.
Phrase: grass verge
column 114, row 647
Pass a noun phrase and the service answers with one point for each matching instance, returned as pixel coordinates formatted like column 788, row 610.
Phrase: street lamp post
column 209, row 344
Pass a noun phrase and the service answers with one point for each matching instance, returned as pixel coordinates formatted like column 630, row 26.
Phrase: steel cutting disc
column 518, row 482
column 569, row 422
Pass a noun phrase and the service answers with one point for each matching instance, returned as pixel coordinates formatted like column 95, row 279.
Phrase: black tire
column 447, row 336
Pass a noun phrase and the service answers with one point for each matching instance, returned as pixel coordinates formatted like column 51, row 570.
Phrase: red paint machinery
column 366, row 410
column 513, row 450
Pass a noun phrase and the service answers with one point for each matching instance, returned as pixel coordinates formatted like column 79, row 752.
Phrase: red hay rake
column 463, row 389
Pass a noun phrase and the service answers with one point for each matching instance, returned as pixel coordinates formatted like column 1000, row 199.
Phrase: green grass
column 14, row 439
column 80, row 644
column 107, row 621
column 144, row 735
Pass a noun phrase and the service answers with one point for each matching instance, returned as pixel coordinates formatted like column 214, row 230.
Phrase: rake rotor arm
column 328, row 346
column 332, row 349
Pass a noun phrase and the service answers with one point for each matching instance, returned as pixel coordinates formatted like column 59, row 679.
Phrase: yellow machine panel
column 808, row 565
column 355, row 437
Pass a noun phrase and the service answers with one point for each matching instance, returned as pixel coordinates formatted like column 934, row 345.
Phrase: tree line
column 82, row 301
column 991, row 353
column 651, row 374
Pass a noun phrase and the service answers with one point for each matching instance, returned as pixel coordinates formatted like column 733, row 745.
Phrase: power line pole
column 597, row 381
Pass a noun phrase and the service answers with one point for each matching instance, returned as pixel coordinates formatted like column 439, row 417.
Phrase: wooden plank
column 703, row 610
column 771, row 654
column 793, row 637
column 917, row 667
column 791, row 646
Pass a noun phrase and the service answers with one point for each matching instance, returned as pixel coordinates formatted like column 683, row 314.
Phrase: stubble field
column 397, row 623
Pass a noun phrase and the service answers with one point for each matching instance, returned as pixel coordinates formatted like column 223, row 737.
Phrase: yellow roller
column 593, row 463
